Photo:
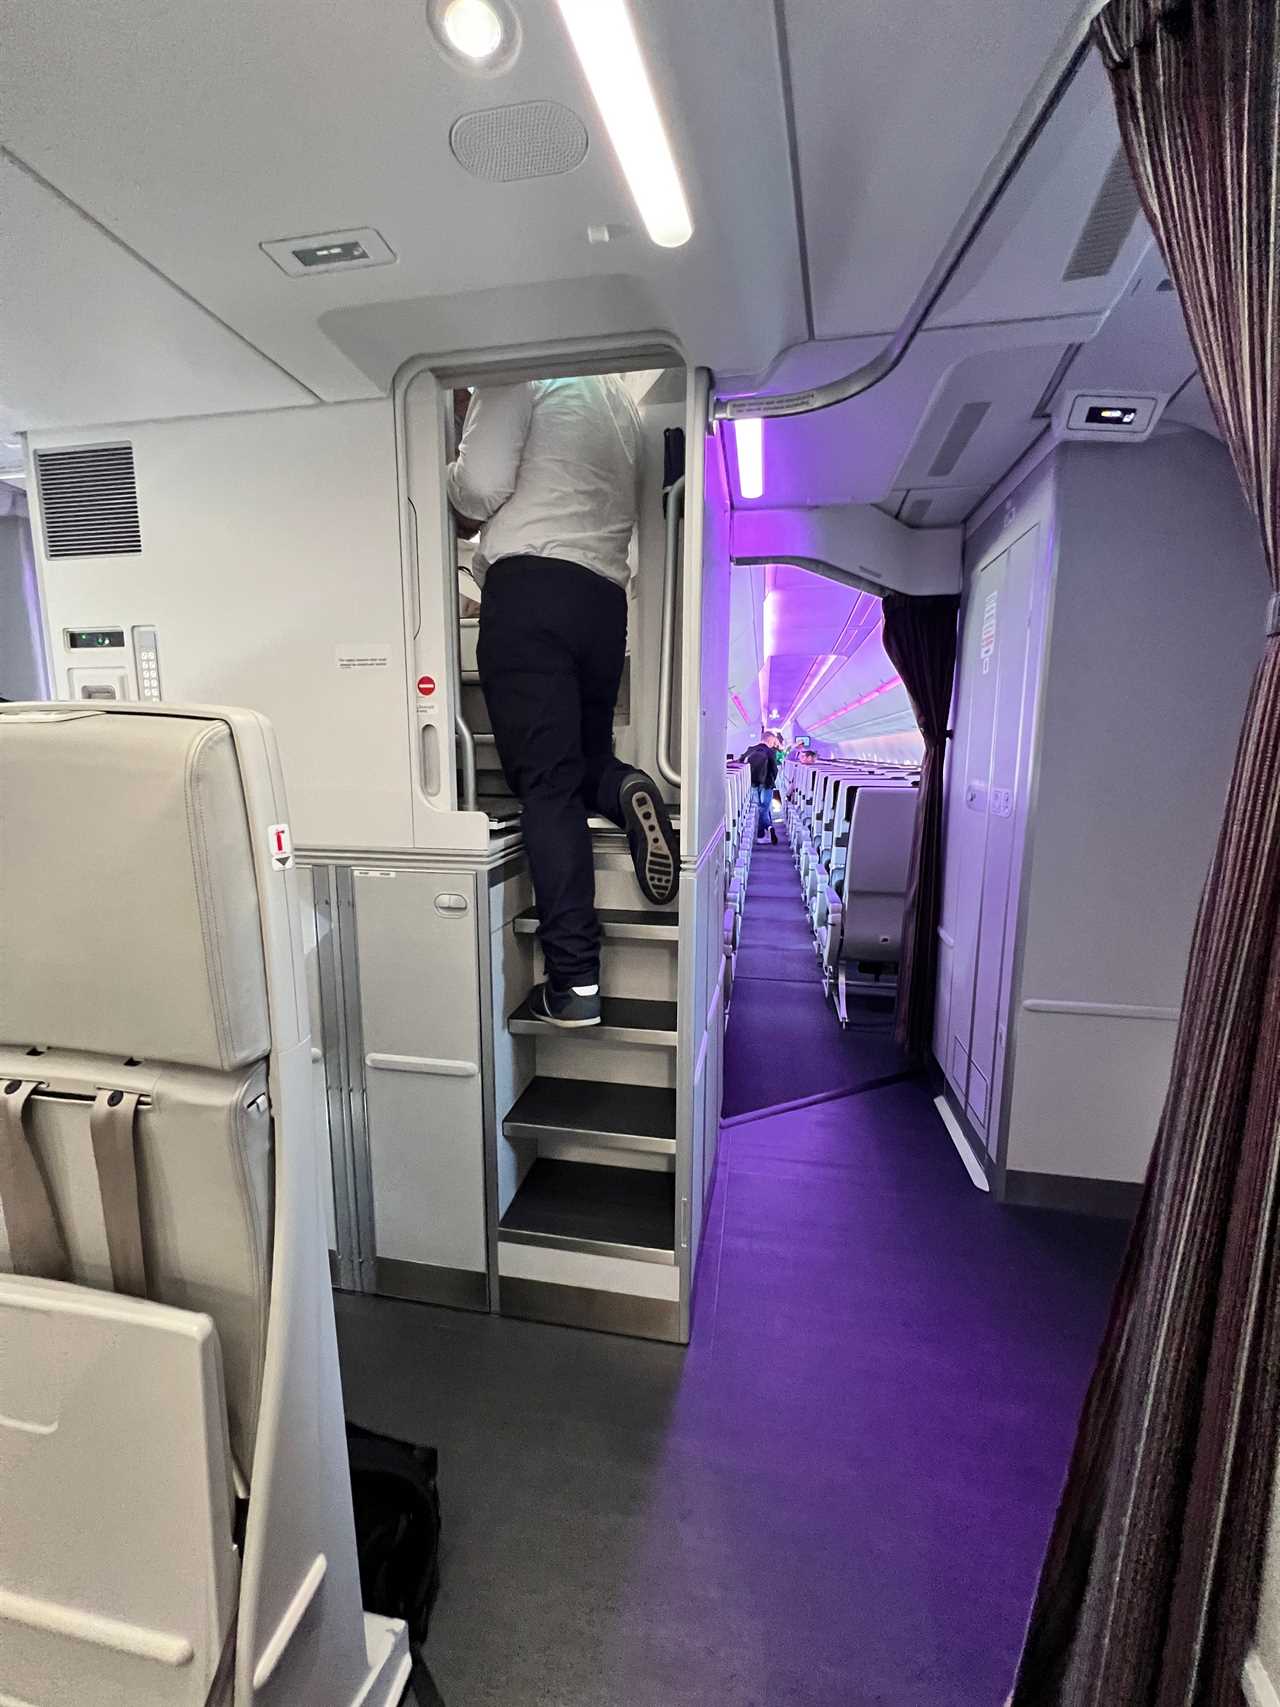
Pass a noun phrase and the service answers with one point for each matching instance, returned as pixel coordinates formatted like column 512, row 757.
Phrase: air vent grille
column 1107, row 228
column 916, row 511
column 89, row 501
column 534, row 139
column 968, row 419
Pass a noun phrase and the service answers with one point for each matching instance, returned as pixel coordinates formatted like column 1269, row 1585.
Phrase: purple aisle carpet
column 784, row 1040
column 837, row 1497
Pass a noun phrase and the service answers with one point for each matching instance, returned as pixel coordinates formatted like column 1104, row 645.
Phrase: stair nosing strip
column 640, row 1037
column 643, row 1143
column 663, row 1255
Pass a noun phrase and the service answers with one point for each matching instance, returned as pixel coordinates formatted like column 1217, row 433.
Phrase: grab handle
column 468, row 741
column 666, row 643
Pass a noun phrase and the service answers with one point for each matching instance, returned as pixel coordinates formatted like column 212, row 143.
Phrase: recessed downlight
column 472, row 27
column 478, row 35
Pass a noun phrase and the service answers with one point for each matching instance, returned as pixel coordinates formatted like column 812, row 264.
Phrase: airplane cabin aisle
column 839, row 1494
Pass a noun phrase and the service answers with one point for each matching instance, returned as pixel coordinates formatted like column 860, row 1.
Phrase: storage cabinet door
column 421, row 1042
column 1012, row 707
column 968, row 801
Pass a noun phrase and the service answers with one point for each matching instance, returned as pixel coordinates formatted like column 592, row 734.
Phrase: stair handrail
column 666, row 643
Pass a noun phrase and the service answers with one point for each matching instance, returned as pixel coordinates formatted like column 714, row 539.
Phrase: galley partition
column 303, row 562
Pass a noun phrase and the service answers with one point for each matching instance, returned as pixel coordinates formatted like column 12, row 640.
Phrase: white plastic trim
column 1259, row 1690
column 422, row 1064
column 1098, row 1010
column 295, row 1612
column 58, row 1620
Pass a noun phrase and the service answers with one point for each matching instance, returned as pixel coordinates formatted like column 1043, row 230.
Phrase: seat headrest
column 129, row 921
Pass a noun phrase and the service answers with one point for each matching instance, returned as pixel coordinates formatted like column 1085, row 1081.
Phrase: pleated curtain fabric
column 1150, row 1588
column 920, row 640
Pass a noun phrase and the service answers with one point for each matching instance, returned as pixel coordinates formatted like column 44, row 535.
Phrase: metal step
column 625, row 923
column 605, row 1211
column 623, row 1117
column 623, row 1019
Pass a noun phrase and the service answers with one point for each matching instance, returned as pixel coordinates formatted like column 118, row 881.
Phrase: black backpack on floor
column 397, row 1512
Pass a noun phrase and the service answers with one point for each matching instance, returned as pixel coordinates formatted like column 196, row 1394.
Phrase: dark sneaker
column 655, row 852
column 773, row 837
column 564, row 1007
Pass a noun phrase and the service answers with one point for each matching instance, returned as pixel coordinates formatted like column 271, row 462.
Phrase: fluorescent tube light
column 748, row 435
column 605, row 41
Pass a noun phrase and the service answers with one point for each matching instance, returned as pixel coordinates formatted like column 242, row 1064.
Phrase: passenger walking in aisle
column 764, row 759
column 549, row 471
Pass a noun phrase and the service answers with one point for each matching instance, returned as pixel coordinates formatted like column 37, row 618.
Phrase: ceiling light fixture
column 748, row 436
column 473, row 28
column 604, row 39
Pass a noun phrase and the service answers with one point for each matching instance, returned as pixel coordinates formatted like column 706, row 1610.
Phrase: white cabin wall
column 1156, row 627
column 270, row 550
column 22, row 668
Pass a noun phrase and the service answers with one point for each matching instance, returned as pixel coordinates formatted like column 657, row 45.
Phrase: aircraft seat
column 166, row 1321
column 862, row 923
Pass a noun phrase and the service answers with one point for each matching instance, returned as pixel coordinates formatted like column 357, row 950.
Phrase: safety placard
column 426, row 686
column 281, row 844
column 367, row 656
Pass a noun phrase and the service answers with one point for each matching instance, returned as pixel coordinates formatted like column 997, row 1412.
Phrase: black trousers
column 553, row 637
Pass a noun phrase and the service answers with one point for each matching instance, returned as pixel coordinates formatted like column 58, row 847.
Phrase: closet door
column 967, row 824
column 1005, row 657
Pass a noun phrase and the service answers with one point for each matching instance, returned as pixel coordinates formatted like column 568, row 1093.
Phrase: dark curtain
column 1150, row 1588
column 920, row 640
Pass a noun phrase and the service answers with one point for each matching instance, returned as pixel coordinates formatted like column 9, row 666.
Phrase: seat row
column 850, row 826
column 739, row 820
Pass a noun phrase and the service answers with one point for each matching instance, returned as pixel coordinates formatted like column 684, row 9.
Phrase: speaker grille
column 1107, row 228
column 88, row 501
column 535, row 139
column 968, row 419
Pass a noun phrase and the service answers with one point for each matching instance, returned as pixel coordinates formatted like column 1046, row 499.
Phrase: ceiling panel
column 981, row 419
column 900, row 106
column 941, row 506
column 1143, row 345
column 86, row 334
column 1075, row 184
column 197, row 132
column 856, row 452
column 1192, row 408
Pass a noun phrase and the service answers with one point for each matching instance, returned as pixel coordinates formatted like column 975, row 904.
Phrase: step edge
column 661, row 1254
column 645, row 1144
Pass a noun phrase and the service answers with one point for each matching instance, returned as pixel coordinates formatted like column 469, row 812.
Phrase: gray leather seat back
column 875, row 879
column 131, row 944
column 128, row 912
column 203, row 1152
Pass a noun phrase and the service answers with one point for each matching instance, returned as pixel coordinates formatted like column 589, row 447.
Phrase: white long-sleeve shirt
column 551, row 469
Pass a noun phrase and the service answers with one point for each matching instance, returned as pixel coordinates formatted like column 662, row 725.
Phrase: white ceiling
column 155, row 144
column 193, row 133
column 900, row 105
column 806, row 656
column 183, row 135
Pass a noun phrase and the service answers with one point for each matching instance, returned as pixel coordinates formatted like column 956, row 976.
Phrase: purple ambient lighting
column 862, row 699
column 748, row 437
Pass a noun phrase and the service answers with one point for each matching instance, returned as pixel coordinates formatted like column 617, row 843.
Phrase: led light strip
column 862, row 699
column 604, row 39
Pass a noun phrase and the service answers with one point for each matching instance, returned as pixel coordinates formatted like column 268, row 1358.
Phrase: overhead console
column 854, row 543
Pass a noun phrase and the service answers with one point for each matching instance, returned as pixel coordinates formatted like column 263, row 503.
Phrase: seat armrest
column 830, row 916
